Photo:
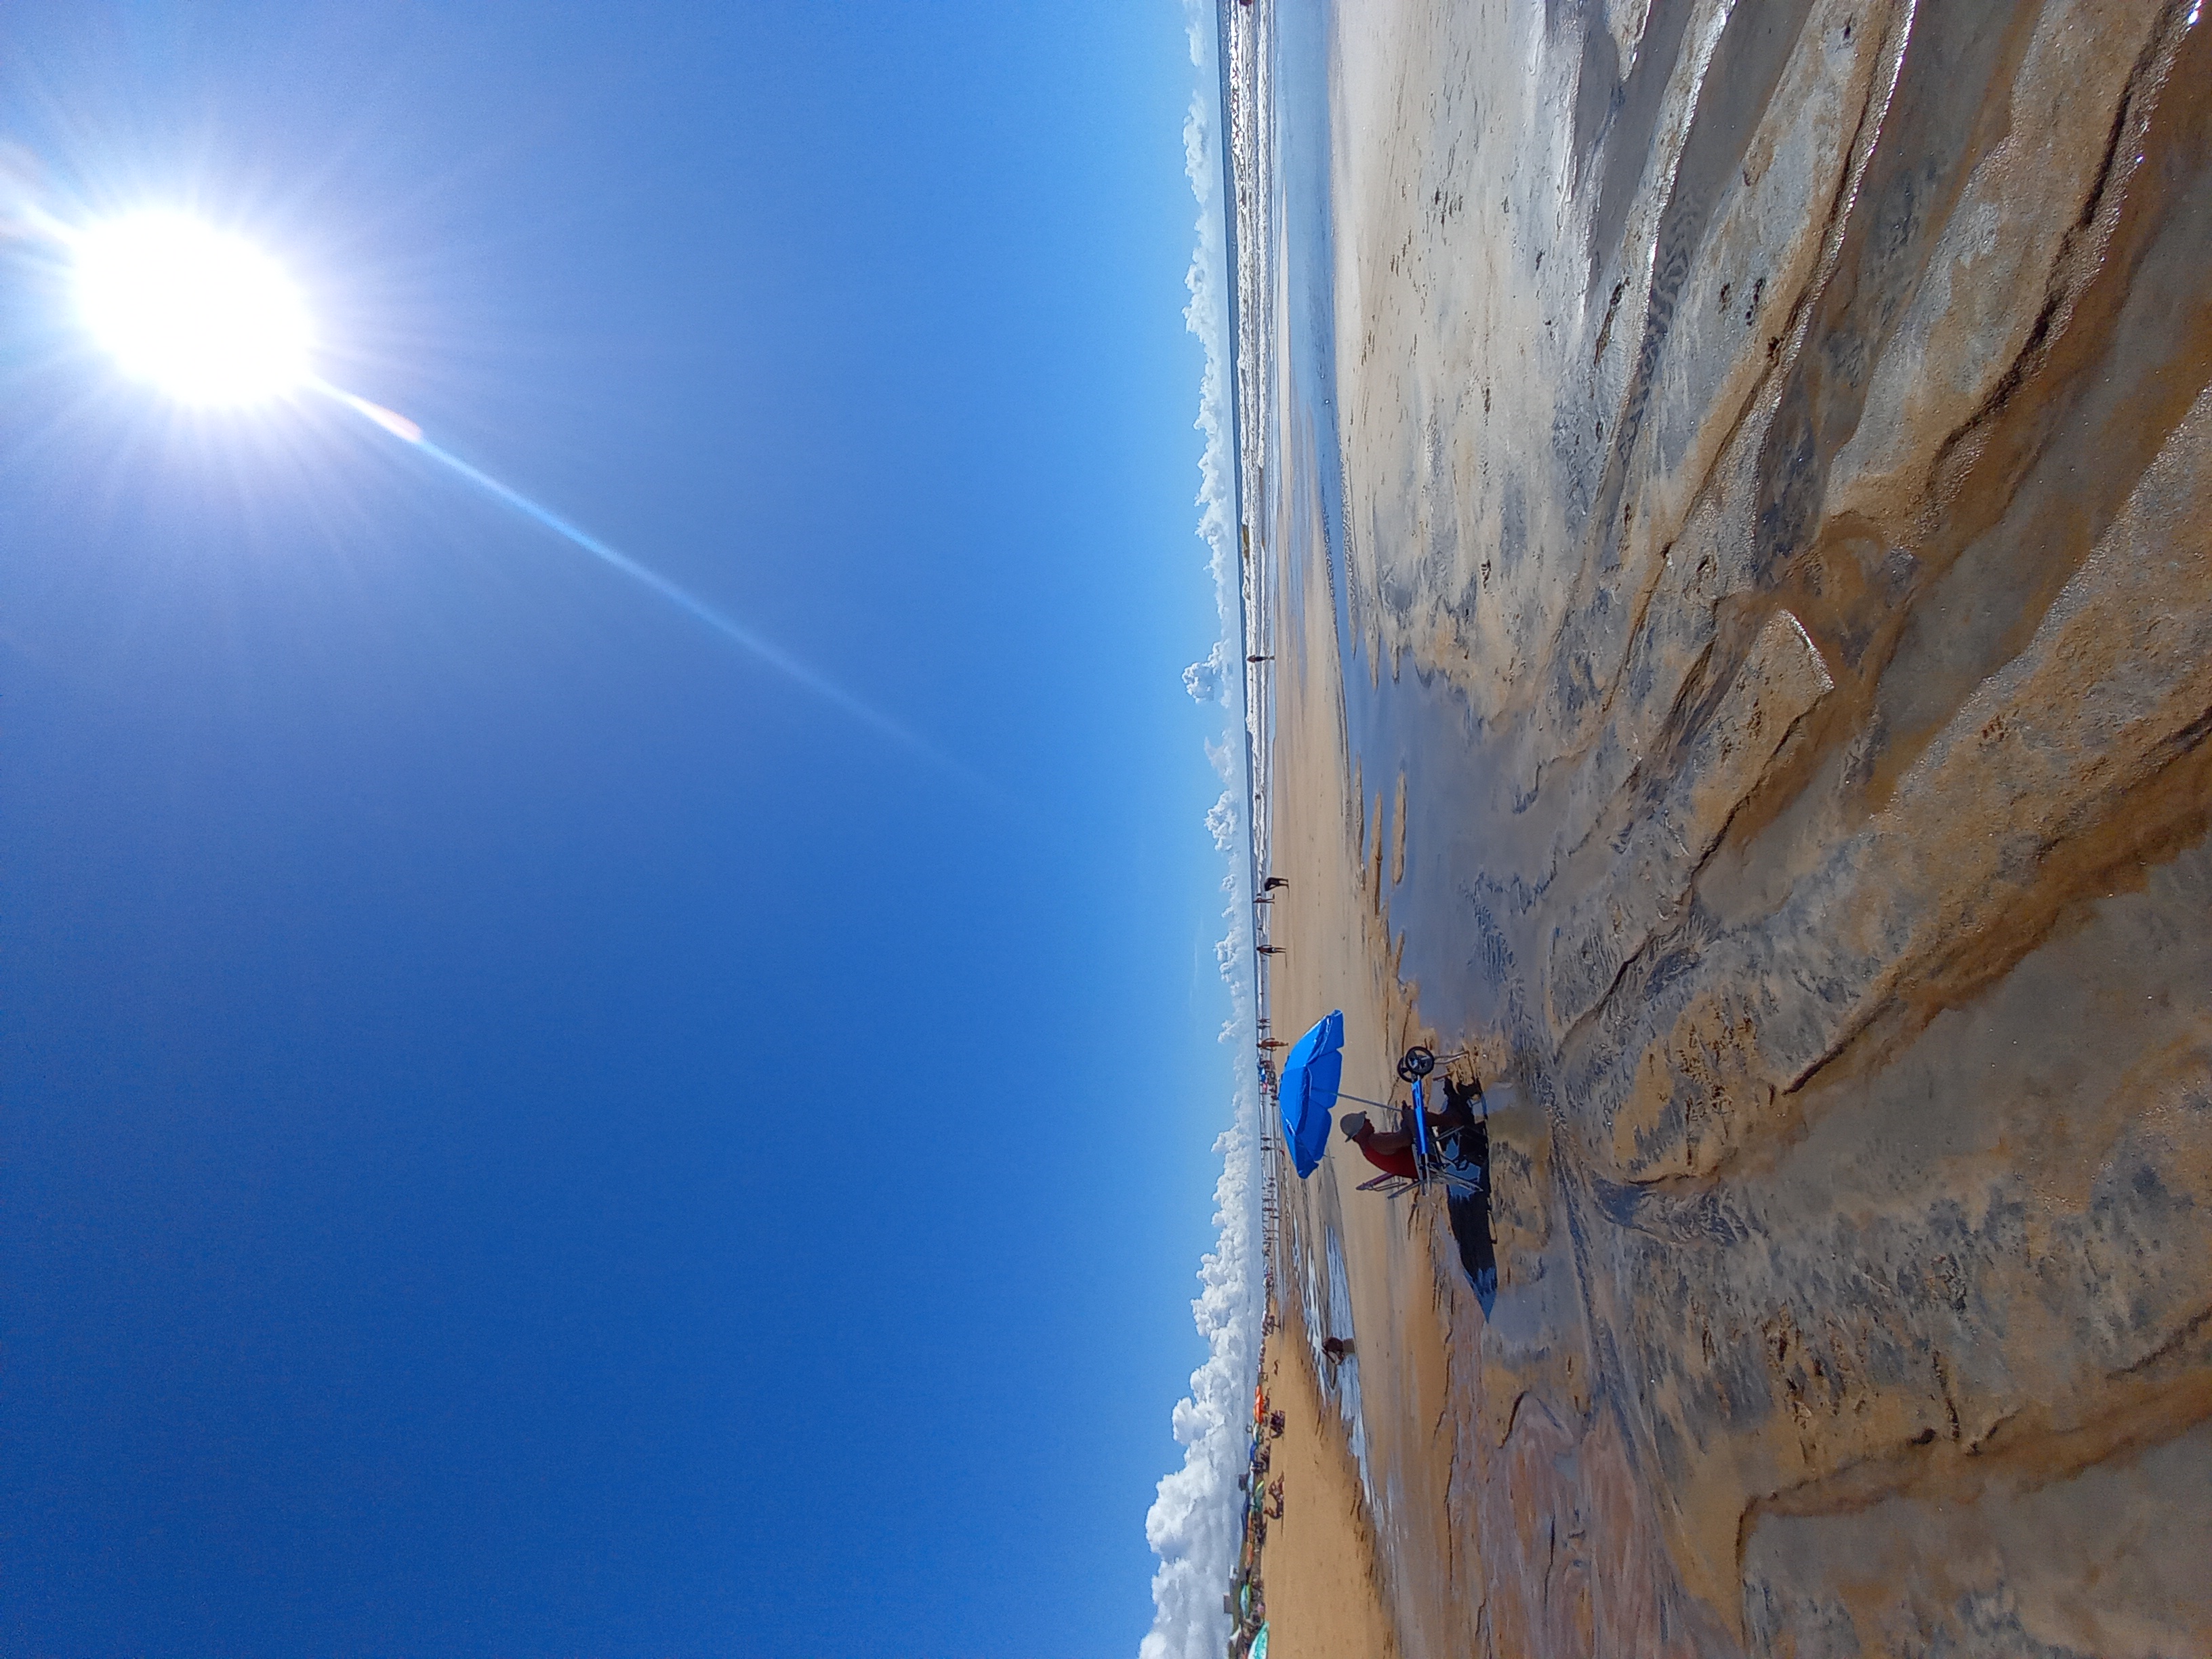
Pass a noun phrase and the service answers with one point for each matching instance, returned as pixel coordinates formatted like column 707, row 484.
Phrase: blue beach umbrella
column 1312, row 1073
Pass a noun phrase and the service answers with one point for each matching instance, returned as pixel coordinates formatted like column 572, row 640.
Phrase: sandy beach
column 1323, row 1585
column 1732, row 493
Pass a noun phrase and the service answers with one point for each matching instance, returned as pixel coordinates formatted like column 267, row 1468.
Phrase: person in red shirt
column 1391, row 1151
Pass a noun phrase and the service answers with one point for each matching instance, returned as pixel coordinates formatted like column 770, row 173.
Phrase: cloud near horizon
column 1192, row 1524
column 1208, row 681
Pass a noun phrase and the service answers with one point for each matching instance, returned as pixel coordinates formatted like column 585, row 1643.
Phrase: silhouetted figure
column 1259, row 660
column 1335, row 1348
column 1462, row 1098
column 1462, row 1101
column 1271, row 883
column 1269, row 950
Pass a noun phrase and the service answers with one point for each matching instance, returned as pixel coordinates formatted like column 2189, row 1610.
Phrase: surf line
column 407, row 432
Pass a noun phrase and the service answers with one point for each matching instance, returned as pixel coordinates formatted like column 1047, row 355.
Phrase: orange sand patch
column 1318, row 1563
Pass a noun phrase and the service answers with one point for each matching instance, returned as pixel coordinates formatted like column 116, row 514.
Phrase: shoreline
column 1825, row 884
column 1324, row 1598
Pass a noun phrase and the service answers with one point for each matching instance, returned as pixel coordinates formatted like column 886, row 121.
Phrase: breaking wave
column 1194, row 1521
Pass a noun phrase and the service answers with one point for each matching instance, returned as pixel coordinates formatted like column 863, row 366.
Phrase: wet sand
column 1324, row 1590
column 1736, row 490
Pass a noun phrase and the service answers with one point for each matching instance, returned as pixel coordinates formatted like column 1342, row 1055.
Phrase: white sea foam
column 1193, row 1525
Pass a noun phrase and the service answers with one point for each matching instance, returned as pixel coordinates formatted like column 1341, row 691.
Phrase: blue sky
column 524, row 1132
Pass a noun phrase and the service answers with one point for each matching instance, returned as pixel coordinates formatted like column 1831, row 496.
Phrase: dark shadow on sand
column 1470, row 1218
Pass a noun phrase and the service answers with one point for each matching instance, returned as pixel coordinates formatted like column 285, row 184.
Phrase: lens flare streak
column 213, row 320
column 411, row 435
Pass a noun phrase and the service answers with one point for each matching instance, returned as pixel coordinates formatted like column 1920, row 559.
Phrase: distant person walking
column 1269, row 950
column 1271, row 883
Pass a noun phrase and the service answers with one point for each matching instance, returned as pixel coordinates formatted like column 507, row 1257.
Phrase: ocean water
column 1295, row 466
column 1688, row 175
column 1274, row 422
column 1194, row 1525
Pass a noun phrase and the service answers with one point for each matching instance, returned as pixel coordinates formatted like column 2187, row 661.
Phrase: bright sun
column 202, row 315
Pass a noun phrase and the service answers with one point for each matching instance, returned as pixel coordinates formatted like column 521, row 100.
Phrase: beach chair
column 1430, row 1164
column 1388, row 1185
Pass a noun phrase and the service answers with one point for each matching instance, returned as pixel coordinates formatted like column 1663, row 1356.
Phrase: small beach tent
column 1312, row 1073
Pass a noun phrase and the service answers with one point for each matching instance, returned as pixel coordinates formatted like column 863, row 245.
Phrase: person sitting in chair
column 1391, row 1151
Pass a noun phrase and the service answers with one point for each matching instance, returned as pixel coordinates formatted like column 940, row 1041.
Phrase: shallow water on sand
column 1757, row 465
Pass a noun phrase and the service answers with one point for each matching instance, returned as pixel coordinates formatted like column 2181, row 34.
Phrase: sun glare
column 204, row 316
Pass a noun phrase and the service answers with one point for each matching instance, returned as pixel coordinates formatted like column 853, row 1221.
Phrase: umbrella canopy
column 1312, row 1073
